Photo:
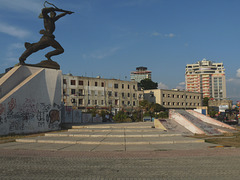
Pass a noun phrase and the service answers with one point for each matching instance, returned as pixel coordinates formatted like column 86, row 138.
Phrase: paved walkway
column 117, row 151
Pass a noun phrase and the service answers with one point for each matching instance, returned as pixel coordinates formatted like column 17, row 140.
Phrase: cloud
column 181, row 86
column 162, row 86
column 22, row 5
column 169, row 35
column 13, row 31
column 238, row 73
column 181, row 83
column 12, row 52
column 101, row 54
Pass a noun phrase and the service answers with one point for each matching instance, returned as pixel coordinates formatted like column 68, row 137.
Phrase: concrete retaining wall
column 184, row 122
column 30, row 101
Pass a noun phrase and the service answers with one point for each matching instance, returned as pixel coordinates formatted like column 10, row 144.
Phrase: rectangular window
column 134, row 103
column 128, row 86
column 122, row 102
column 80, row 101
column 96, row 83
column 89, row 102
column 122, row 86
column 116, row 94
column 64, row 81
column 128, row 94
column 116, row 86
column 116, row 102
column 73, row 82
column 80, row 92
column 123, row 95
column 134, row 87
column 95, row 102
column 102, row 102
column 110, row 102
column 109, row 93
column 102, row 84
column 163, row 95
column 73, row 91
column 80, row 83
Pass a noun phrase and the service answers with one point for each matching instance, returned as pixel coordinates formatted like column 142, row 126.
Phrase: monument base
column 44, row 64
column 30, row 100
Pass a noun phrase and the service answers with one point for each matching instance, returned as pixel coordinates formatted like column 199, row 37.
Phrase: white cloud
column 162, row 86
column 181, row 83
column 170, row 35
column 13, row 31
column 101, row 54
column 238, row 73
column 156, row 34
column 22, row 5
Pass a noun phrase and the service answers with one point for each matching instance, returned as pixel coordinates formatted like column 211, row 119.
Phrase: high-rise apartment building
column 206, row 77
column 140, row 74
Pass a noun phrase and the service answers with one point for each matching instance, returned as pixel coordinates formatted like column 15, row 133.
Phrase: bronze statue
column 48, row 39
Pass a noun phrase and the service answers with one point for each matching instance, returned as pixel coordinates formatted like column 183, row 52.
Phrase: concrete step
column 113, row 129
column 110, row 140
column 108, row 135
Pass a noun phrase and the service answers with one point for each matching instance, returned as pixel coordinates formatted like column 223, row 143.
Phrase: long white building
column 206, row 77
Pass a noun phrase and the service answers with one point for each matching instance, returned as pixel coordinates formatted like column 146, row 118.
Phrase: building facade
column 174, row 99
column 206, row 77
column 87, row 93
column 140, row 74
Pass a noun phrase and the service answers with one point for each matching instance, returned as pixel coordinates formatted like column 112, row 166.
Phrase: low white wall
column 184, row 122
column 33, row 104
column 209, row 120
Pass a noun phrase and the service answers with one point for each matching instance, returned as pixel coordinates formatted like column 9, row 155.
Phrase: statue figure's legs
column 31, row 48
column 58, row 49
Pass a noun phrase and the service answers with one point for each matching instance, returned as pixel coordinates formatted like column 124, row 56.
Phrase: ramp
column 206, row 127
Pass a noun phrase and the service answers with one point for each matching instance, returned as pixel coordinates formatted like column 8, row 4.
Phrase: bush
column 121, row 117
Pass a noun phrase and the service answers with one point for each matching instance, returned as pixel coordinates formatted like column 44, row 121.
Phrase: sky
column 110, row 38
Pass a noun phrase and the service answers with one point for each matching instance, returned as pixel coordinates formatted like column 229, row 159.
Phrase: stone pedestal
column 30, row 100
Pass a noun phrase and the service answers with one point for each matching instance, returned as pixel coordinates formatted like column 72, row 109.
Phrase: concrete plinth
column 30, row 100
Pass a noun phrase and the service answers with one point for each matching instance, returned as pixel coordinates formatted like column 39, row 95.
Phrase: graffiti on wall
column 28, row 115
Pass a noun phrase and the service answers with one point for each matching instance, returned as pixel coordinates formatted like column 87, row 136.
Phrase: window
column 169, row 95
column 102, row 84
column 80, row 92
column 73, row 100
column 122, row 86
column 89, row 102
column 129, row 103
column 96, row 83
column 163, row 95
column 95, row 102
column 169, row 103
column 134, row 95
column 128, row 86
column 116, row 94
column 80, row 101
column 134, row 103
column 109, row 93
column 123, row 95
column 73, row 82
column 64, row 81
column 116, row 102
column 128, row 94
column 164, row 103
column 110, row 102
column 73, row 91
column 123, row 103
column 116, row 86
column 110, row 85
column 133, row 86
column 102, row 102
column 80, row 83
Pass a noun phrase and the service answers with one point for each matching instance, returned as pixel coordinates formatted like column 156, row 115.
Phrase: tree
column 205, row 101
column 147, row 84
